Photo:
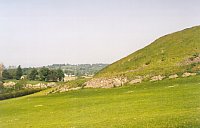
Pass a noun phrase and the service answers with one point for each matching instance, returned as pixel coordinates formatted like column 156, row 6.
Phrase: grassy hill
column 171, row 103
column 164, row 104
column 174, row 53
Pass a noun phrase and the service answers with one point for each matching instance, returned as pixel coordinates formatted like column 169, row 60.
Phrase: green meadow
column 164, row 104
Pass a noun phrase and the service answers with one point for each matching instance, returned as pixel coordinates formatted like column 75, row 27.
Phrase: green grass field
column 164, row 104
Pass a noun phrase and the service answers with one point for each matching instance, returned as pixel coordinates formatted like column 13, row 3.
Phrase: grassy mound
column 167, row 103
column 178, row 52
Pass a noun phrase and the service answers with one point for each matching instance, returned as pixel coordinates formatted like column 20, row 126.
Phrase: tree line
column 42, row 74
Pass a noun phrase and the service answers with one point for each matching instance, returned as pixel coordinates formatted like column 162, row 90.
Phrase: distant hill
column 175, row 53
column 79, row 69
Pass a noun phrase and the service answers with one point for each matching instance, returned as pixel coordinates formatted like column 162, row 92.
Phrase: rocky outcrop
column 36, row 86
column 192, row 60
column 69, row 89
column 157, row 78
column 40, row 85
column 187, row 74
column 135, row 81
column 9, row 84
column 173, row 76
column 106, row 82
column 64, row 88
column 52, row 84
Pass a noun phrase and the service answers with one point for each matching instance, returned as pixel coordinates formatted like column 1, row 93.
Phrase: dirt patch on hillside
column 191, row 60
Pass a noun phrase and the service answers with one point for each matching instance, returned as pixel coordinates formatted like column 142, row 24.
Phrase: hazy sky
column 42, row 32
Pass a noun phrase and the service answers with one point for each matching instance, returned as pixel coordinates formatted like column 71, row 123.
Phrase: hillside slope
column 167, row 55
column 175, row 53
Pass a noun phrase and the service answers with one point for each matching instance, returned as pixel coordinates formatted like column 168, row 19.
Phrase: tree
column 1, row 70
column 43, row 74
column 18, row 72
column 60, row 74
column 52, row 76
column 33, row 74
column 12, row 73
column 6, row 75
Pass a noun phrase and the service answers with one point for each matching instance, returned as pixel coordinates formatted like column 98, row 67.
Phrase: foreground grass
column 168, row 103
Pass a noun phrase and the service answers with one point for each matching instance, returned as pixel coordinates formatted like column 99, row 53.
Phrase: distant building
column 70, row 77
column 23, row 77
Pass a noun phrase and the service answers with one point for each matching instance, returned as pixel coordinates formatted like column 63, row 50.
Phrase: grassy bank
column 168, row 103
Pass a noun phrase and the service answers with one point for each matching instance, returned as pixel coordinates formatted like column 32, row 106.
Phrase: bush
column 15, row 94
column 148, row 62
column 196, row 55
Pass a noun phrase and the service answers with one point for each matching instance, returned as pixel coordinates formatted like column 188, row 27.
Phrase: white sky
column 43, row 32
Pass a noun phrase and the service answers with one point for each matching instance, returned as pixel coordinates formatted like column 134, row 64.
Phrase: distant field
column 164, row 104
